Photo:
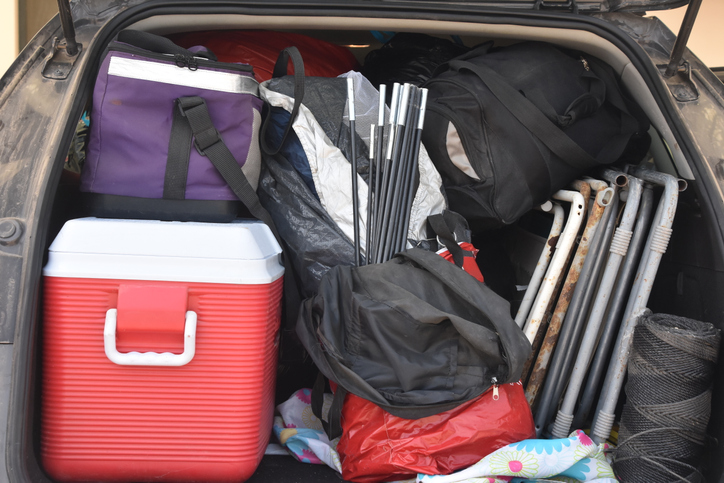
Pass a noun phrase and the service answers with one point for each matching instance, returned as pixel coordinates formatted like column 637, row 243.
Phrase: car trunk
column 690, row 278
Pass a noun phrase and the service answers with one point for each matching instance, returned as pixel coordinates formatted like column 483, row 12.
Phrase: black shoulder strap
column 531, row 117
column 583, row 106
column 193, row 119
column 476, row 51
column 280, row 69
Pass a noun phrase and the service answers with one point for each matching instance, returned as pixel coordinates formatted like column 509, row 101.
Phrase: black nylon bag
column 415, row 335
column 509, row 127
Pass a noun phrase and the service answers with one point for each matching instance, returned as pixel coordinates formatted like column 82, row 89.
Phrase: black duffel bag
column 509, row 127
column 415, row 335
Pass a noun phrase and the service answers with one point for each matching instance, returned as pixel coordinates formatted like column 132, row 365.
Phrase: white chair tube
column 541, row 266
column 656, row 246
column 563, row 248
column 618, row 250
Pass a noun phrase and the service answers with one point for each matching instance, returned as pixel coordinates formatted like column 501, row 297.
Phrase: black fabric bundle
column 664, row 421
column 415, row 335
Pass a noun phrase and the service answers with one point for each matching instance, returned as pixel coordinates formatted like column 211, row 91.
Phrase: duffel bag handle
column 583, row 106
column 516, row 346
column 477, row 51
column 280, row 70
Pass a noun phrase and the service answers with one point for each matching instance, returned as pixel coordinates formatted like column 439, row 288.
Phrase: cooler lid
column 242, row 252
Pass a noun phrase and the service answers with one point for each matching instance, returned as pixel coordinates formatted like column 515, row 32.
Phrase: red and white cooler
column 159, row 350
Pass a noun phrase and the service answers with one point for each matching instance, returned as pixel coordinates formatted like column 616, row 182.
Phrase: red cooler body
column 159, row 350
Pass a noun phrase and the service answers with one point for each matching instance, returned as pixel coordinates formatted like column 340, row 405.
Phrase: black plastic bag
column 313, row 241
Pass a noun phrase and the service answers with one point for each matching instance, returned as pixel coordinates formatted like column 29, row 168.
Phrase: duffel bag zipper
column 192, row 63
column 496, row 394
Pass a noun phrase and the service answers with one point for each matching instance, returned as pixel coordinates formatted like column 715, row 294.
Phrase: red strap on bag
column 469, row 264
column 376, row 446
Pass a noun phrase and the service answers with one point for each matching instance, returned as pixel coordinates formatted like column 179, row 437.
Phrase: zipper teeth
column 119, row 47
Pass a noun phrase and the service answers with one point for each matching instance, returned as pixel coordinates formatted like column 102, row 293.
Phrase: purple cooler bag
column 171, row 131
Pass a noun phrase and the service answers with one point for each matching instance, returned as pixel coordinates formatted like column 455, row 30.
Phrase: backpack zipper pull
column 496, row 394
column 585, row 64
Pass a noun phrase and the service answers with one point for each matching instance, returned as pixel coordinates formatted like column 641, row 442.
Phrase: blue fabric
column 292, row 149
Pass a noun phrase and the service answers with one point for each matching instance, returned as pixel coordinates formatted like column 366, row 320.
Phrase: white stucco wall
column 8, row 33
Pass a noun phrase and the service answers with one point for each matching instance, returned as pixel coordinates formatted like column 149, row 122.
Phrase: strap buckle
column 206, row 138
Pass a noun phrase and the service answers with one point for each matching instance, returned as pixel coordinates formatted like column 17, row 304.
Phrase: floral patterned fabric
column 575, row 459
column 301, row 432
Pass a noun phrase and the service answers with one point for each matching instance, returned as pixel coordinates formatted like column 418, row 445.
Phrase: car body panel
column 37, row 121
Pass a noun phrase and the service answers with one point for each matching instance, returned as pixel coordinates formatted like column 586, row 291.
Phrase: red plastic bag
column 376, row 446
column 260, row 49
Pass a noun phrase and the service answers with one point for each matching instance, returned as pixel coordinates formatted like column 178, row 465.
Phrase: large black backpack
column 509, row 127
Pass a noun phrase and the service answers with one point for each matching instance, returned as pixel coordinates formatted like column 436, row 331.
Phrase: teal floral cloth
column 570, row 460
column 301, row 432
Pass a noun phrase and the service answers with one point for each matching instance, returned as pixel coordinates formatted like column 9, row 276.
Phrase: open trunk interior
column 690, row 280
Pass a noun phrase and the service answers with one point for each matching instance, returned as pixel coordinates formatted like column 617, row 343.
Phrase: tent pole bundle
column 393, row 172
column 353, row 155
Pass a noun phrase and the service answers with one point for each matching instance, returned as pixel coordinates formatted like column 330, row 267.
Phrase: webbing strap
column 177, row 161
column 531, row 117
column 208, row 142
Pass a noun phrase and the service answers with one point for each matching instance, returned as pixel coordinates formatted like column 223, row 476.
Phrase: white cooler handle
column 149, row 358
